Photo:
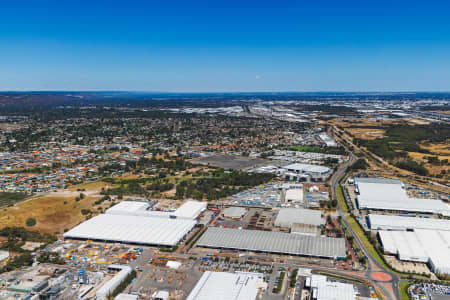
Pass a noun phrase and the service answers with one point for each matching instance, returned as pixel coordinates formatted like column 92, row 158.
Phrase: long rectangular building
column 388, row 194
column 386, row 222
column 430, row 246
column 132, row 230
column 273, row 242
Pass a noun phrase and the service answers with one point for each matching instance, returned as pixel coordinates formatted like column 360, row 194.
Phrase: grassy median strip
column 366, row 243
column 403, row 288
column 341, row 199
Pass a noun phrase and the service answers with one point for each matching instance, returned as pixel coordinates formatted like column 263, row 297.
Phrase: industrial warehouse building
column 131, row 222
column 288, row 216
column 294, row 196
column 227, row 286
column 132, row 230
column 188, row 210
column 113, row 283
column 297, row 171
column 427, row 246
column 387, row 222
column 234, row 212
column 273, row 242
column 389, row 194
column 322, row 289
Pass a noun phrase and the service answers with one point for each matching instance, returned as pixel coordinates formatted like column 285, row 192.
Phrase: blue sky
column 225, row 46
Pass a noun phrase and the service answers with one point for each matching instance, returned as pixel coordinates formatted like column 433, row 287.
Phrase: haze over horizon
column 225, row 46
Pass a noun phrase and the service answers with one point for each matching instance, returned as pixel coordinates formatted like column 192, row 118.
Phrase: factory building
column 299, row 172
column 426, row 246
column 389, row 194
column 131, row 222
column 137, row 230
column 388, row 222
column 114, row 282
column 273, row 242
column 188, row 210
column 322, row 289
column 227, row 286
column 300, row 219
column 234, row 212
column 294, row 196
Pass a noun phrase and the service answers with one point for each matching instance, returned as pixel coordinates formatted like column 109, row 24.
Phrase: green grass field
column 402, row 288
column 341, row 200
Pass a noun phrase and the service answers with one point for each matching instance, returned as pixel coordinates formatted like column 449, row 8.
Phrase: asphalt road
column 371, row 261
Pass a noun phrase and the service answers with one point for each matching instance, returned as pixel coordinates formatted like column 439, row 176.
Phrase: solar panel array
column 273, row 242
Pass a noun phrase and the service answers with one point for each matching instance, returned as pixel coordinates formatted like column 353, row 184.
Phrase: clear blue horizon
column 225, row 46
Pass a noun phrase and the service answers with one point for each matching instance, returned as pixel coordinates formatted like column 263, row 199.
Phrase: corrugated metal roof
column 132, row 229
column 307, row 168
column 273, row 242
column 420, row 245
column 388, row 194
column 404, row 223
column 226, row 286
column 287, row 216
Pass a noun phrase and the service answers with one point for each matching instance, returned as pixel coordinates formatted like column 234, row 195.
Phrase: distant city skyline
column 225, row 46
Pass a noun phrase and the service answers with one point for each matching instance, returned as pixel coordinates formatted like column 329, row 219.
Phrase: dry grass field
column 441, row 149
column 54, row 212
column 366, row 133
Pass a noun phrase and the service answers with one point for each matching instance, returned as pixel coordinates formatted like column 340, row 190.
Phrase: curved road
column 388, row 288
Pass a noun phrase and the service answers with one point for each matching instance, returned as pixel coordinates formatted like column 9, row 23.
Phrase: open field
column 54, row 212
column 366, row 133
column 363, row 123
column 441, row 149
column 433, row 169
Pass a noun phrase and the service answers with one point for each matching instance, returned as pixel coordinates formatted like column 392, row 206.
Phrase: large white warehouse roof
column 226, row 286
column 328, row 290
column 432, row 246
column 188, row 210
column 388, row 194
column 288, row 216
column 307, row 168
column 386, row 222
column 132, row 229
